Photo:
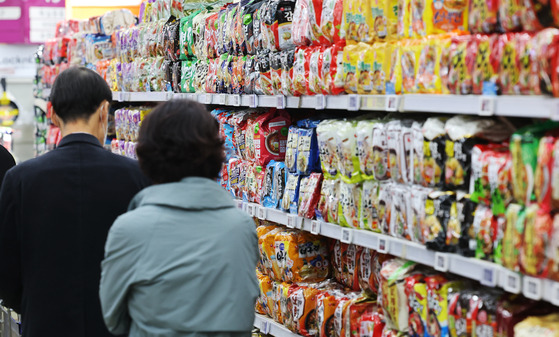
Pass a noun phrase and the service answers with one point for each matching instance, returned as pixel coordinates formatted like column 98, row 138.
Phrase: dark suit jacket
column 6, row 162
column 55, row 213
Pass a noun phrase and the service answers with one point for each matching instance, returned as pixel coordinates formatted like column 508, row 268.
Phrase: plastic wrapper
column 553, row 251
column 233, row 174
column 399, row 218
column 462, row 61
column 430, row 17
column 291, row 149
column 538, row 230
column 418, row 197
column 332, row 69
column 486, row 229
column 543, row 326
column 291, row 194
column 265, row 285
column 300, row 72
column 416, row 291
column 316, row 82
column 410, row 53
column 513, row 234
column 483, row 70
column 301, row 257
column 393, row 143
column 309, row 195
column 440, row 214
column 434, row 155
column 380, row 152
column 351, row 256
column 428, row 76
column 369, row 218
column 275, row 65
column 360, row 317
column 267, row 247
column 394, row 69
column 287, row 63
column 349, row 204
column 367, row 279
column 365, row 69
column 437, row 300
column 326, row 303
column 461, row 238
column 364, row 133
column 351, row 57
column 327, row 208
column 348, row 164
column 483, row 16
column 307, row 155
column 301, row 28
column 331, row 20
column 270, row 136
column 544, row 169
column 384, row 208
column 393, row 297
column 327, row 145
column 274, row 184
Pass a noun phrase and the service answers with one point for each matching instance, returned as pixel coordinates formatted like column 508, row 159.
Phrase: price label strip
column 442, row 262
column 488, row 277
column 532, row 288
column 262, row 213
column 253, row 101
column 513, row 283
column 346, row 236
column 250, row 210
column 315, row 227
column 265, row 327
column 291, row 220
column 235, row 100
column 486, row 106
column 281, row 102
column 383, row 245
column 555, row 293
column 353, row 102
column 320, row 102
column 209, row 98
column 391, row 103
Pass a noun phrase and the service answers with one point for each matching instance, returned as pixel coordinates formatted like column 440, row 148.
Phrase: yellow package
column 267, row 245
column 261, row 301
column 411, row 50
column 266, row 286
column 393, row 68
column 357, row 21
column 404, row 19
column 431, row 17
column 365, row 68
column 379, row 65
column 391, row 12
column 260, row 232
column 301, row 257
column 274, row 302
column 350, row 72
column 428, row 79
column 378, row 8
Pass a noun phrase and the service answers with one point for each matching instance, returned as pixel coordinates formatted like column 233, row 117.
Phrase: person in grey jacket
column 182, row 261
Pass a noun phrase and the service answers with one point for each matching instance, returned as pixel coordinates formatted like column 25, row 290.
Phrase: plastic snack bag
column 287, row 63
column 291, row 149
column 433, row 152
column 349, row 200
column 431, row 17
column 393, row 68
column 302, row 257
column 348, row 164
column 485, row 229
column 331, row 20
column 546, row 326
column 328, row 148
column 416, row 214
column 332, row 69
column 364, row 133
column 379, row 75
column 316, row 60
column 428, row 79
column 399, row 217
column 393, row 143
column 384, row 208
column 291, row 194
column 310, row 197
column 300, row 72
column 416, row 291
column 301, row 28
column 285, row 15
column 369, row 206
column 329, row 202
column 538, row 230
column 483, row 70
column 440, row 214
column 410, row 53
column 437, row 301
column 350, row 68
column 555, row 178
column 513, row 234
column 326, row 303
column 544, row 169
column 307, row 156
column 380, row 152
column 482, row 16
column 365, row 69
column 270, row 136
column 367, row 280
column 351, row 254
column 393, row 297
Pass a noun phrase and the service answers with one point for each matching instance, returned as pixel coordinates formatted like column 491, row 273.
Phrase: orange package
column 260, row 232
column 304, row 310
column 538, row 229
column 326, row 303
column 544, row 171
column 367, row 276
column 356, row 310
column 286, row 305
column 267, row 243
column 350, row 266
column 411, row 50
column 265, row 284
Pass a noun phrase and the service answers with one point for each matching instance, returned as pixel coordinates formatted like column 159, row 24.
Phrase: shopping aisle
column 400, row 158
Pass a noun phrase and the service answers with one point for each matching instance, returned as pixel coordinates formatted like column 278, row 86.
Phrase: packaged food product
column 307, row 156
column 399, row 217
column 301, row 256
column 365, row 69
column 328, row 148
column 538, row 230
column 511, row 310
column 266, row 244
column 409, row 60
column 384, row 208
column 393, row 68
column 350, row 63
column 291, row 149
column 349, row 204
column 434, row 155
column 440, row 214
column 310, row 195
column 291, row 194
column 316, row 83
column 327, row 208
column 300, row 72
column 367, row 280
column 482, row 16
column 364, row 133
column 462, row 239
column 544, row 171
column 485, row 228
column 542, row 326
column 369, row 218
column 437, row 322
column 380, row 152
column 332, row 69
column 371, row 324
column 428, row 76
column 553, row 250
column 357, row 24
column 432, row 17
column 274, row 184
column 359, row 308
column 326, row 303
column 416, row 291
column 462, row 61
column 301, row 28
column 418, row 197
column 392, row 296
column 351, row 257
column 275, row 69
column 287, row 62
column 545, row 44
column 270, row 136
column 348, row 164
column 331, row 20
column 304, row 310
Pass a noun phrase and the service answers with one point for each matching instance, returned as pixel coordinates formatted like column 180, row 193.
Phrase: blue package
column 267, row 193
column 308, row 158
column 291, row 149
column 280, row 177
column 290, row 199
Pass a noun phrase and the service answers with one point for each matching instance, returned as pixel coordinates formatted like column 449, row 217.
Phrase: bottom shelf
column 270, row 327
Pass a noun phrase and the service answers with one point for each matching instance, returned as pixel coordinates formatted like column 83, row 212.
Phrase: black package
column 466, row 213
column 440, row 213
column 176, row 82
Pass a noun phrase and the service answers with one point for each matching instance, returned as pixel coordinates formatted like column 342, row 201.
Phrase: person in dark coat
column 56, row 211
column 6, row 162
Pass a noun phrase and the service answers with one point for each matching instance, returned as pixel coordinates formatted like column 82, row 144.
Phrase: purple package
column 135, row 124
column 121, row 144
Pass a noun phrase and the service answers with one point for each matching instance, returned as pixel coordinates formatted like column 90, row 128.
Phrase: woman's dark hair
column 179, row 139
column 77, row 93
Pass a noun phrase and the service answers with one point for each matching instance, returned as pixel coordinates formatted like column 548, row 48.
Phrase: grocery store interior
column 399, row 158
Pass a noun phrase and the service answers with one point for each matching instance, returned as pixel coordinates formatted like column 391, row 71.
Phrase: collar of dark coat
column 192, row 193
column 79, row 138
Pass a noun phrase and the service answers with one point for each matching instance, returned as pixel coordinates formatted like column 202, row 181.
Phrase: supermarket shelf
column 269, row 326
column 508, row 106
column 487, row 273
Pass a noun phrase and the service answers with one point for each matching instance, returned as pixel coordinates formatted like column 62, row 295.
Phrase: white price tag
column 223, row 99
column 209, row 98
column 250, row 210
column 320, row 102
column 346, row 235
column 315, row 227
column 121, row 96
column 555, row 293
column 488, row 277
column 486, row 106
column 512, row 282
column 235, row 100
column 177, row 96
column 441, row 262
column 291, row 220
column 169, row 95
column 265, row 327
column 193, row 97
column 383, row 245
column 281, row 102
column 239, row 204
column 391, row 103
column 253, row 101
column 353, row 102
column 262, row 213
column 532, row 288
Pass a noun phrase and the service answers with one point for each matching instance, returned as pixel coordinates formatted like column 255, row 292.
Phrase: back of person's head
column 77, row 93
column 179, row 139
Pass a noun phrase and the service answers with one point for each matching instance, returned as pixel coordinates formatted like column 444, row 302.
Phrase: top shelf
column 507, row 106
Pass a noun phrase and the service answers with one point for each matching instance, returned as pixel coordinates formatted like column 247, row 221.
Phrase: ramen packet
column 365, row 69
column 291, row 149
column 309, row 195
column 307, row 155
column 437, row 301
column 538, row 230
column 384, row 208
column 431, row 18
column 428, row 76
column 303, row 307
column 441, row 213
column 369, row 218
column 544, row 326
column 393, row 68
column 351, row 256
column 483, row 70
column 327, row 208
column 291, row 194
column 357, row 23
column 544, row 172
column 332, row 69
column 367, row 281
column 416, row 291
column 555, row 178
column 274, row 184
column 349, row 204
column 399, row 215
column 485, row 229
column 301, row 28
column 380, row 152
column 392, row 295
column 275, row 70
column 483, row 16
column 287, row 63
column 270, row 136
column 300, row 72
column 331, row 20
column 512, row 239
column 364, row 133
column 326, row 303
column 328, row 148
column 409, row 59
column 418, row 197
column 348, row 164
column 434, row 155
column 361, row 309
column 458, row 238
column 316, row 83
column 350, row 65
column 394, row 145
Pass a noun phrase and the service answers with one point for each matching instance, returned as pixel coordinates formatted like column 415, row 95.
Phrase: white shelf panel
column 509, row 106
column 269, row 326
column 487, row 273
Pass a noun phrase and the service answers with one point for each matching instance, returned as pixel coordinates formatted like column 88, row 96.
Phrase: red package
column 510, row 15
column 538, row 230
column 350, row 266
column 265, row 74
column 367, row 278
column 310, row 195
column 509, row 67
column 326, row 303
column 534, row 15
column 528, row 76
column 483, row 70
column 336, row 250
column 301, row 28
column 546, row 46
column 331, row 20
column 463, row 53
column 483, row 16
column 544, row 172
column 416, row 291
column 371, row 324
column 270, row 136
column 316, row 35
column 332, row 71
column 301, row 71
column 210, row 36
column 315, row 62
column 357, row 309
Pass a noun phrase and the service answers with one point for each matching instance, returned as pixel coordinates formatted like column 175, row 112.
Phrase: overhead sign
column 31, row 21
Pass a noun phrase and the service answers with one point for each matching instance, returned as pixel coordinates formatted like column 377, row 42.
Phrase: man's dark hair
column 77, row 93
column 179, row 139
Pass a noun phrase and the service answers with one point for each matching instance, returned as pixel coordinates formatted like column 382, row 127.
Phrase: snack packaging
column 410, row 53
column 393, row 143
column 463, row 241
column 538, row 230
column 304, row 310
column 348, row 164
column 301, row 27
column 316, row 60
column 364, row 133
column 483, row 16
column 380, row 152
column 301, row 256
column 291, row 149
column 369, row 218
column 367, row 280
column 371, row 324
column 331, row 20
column 350, row 64
column 428, row 78
column 399, row 217
column 416, row 291
column 291, row 194
column 358, row 309
column 309, row 195
column 329, row 159
column 462, row 60
column 485, row 312
column 267, row 249
column 332, row 68
column 384, row 208
column 392, row 295
column 274, row 184
column 357, row 24
column 434, row 155
column 287, row 63
column 307, row 156
column 265, row 285
column 416, row 160
column 326, row 303
column 440, row 214
column 543, row 326
column 327, row 208
column 351, row 257
column 275, row 65
column 418, row 197
column 485, row 229
column 300, row 72
column 393, row 68
column 511, row 310
column 270, row 136
column 483, row 71
column 544, row 172
column 365, row 69
column 437, row 322
column 553, row 251
column 349, row 204
column 431, row 17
